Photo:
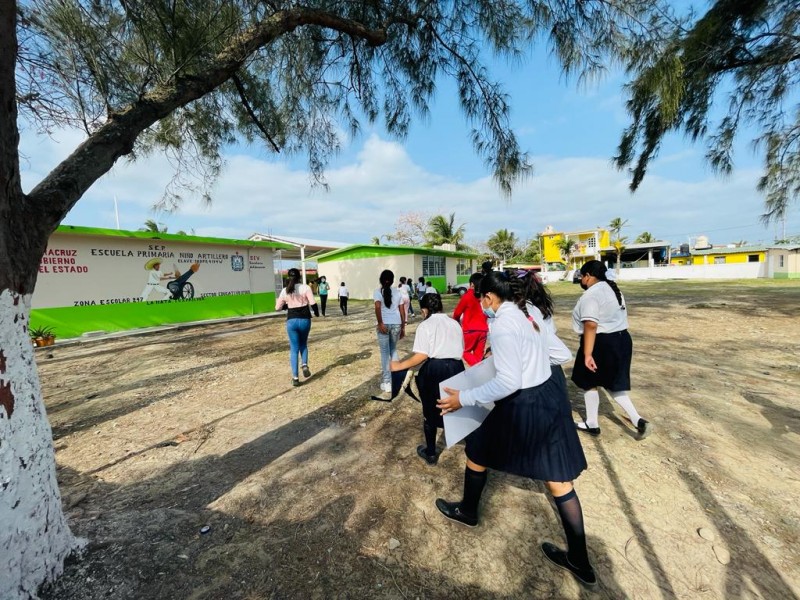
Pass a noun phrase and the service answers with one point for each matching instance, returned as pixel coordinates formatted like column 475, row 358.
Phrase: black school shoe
column 584, row 428
column 422, row 452
column 559, row 558
column 452, row 510
column 644, row 428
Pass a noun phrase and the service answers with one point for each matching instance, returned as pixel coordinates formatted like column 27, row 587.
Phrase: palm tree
column 615, row 227
column 645, row 238
column 503, row 244
column 566, row 246
column 376, row 240
column 442, row 230
column 153, row 227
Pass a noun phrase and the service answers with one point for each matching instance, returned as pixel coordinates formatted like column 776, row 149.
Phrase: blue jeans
column 298, row 329
column 387, row 342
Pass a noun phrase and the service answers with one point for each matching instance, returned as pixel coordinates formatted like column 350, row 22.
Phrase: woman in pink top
column 299, row 301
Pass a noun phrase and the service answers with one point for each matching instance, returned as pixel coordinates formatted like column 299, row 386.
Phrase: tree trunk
column 34, row 537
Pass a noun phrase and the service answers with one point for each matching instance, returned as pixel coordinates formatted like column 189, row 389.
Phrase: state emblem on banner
column 237, row 262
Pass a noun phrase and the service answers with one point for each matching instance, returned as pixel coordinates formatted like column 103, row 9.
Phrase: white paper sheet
column 459, row 424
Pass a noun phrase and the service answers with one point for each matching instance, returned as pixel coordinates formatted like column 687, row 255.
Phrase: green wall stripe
column 74, row 321
column 439, row 282
column 462, row 278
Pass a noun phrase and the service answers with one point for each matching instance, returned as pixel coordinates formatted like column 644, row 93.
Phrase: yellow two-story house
column 588, row 245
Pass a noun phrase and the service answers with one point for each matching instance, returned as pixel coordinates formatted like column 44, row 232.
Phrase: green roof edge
column 395, row 250
column 174, row 237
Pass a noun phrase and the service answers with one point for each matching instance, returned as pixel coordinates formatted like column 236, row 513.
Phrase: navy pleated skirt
column 612, row 353
column 431, row 374
column 531, row 433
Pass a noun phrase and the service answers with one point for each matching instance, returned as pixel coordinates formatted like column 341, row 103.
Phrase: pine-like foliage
column 295, row 77
column 745, row 50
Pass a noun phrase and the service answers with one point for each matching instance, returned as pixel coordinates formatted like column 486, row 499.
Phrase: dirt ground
column 317, row 492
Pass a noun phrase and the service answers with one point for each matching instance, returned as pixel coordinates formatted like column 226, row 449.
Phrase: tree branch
column 242, row 95
column 57, row 193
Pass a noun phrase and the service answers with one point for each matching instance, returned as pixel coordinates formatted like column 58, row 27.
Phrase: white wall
column 95, row 269
column 727, row 271
column 361, row 274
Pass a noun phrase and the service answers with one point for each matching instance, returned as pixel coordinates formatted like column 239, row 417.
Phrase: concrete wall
column 101, row 282
column 727, row 271
column 361, row 274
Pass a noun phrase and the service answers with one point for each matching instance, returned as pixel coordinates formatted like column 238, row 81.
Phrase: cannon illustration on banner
column 177, row 284
column 180, row 287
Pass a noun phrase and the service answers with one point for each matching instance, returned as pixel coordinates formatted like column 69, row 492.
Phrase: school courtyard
column 195, row 470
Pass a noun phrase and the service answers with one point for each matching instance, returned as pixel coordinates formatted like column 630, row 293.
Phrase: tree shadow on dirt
column 146, row 540
column 782, row 418
column 750, row 573
column 659, row 579
column 97, row 409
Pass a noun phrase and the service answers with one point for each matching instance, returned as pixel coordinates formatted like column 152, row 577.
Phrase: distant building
column 783, row 261
column 728, row 255
column 596, row 244
column 360, row 265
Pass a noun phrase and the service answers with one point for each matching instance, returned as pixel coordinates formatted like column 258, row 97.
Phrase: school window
column 780, row 260
column 752, row 258
column 591, row 242
column 462, row 267
column 719, row 260
column 433, row 266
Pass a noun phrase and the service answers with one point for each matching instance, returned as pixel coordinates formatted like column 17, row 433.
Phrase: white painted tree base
column 34, row 535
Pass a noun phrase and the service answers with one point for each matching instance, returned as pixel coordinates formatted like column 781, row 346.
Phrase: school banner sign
column 109, row 280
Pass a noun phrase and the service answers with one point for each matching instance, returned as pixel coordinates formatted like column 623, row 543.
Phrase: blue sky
column 570, row 132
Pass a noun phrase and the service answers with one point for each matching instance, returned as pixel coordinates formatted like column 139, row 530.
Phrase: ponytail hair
column 294, row 279
column 597, row 269
column 387, row 279
column 432, row 303
column 537, row 294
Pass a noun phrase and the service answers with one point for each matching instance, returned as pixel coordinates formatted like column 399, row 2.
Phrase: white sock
column 624, row 401
column 592, row 400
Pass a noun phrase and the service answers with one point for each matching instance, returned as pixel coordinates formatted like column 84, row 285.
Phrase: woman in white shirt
column 530, row 430
column 391, row 316
column 605, row 349
column 438, row 346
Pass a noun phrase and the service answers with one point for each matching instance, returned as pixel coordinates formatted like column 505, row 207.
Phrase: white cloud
column 367, row 195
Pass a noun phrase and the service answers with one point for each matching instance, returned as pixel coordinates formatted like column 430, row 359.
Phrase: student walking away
column 429, row 289
column 438, row 347
column 530, row 430
column 408, row 285
column 406, row 299
column 324, row 288
column 605, row 350
column 421, row 288
column 487, row 267
column 469, row 313
column 298, row 299
column 344, row 295
column 391, row 316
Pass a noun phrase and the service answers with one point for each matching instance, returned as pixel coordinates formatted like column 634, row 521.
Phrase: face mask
column 489, row 312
